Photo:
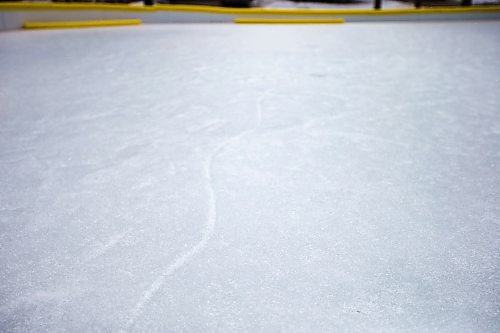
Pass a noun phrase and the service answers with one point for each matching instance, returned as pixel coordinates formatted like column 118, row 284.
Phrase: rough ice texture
column 221, row 178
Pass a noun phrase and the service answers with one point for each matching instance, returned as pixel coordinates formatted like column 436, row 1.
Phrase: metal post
column 466, row 2
column 418, row 3
column 149, row 2
column 378, row 4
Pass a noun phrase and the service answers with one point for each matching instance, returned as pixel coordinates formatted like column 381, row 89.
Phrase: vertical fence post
column 377, row 4
column 149, row 2
column 418, row 3
column 466, row 2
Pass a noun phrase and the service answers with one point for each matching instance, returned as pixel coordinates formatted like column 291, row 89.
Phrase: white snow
column 203, row 178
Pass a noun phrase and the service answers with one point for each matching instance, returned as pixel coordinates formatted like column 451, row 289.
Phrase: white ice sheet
column 221, row 178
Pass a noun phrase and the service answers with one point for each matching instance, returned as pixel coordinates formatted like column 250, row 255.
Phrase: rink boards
column 14, row 15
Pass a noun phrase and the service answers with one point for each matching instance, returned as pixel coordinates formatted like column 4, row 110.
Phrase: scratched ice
column 221, row 178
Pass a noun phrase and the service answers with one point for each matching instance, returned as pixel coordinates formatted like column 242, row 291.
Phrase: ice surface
column 221, row 178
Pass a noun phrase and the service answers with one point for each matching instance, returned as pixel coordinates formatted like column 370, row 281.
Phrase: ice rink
column 224, row 178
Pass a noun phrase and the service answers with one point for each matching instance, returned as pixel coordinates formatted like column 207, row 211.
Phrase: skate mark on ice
column 306, row 125
column 209, row 226
column 363, row 137
column 207, row 126
column 310, row 128
column 108, row 245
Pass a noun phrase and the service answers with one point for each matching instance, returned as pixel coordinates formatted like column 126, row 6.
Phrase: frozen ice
column 222, row 178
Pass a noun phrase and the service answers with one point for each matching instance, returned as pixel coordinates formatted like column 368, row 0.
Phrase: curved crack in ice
column 208, row 228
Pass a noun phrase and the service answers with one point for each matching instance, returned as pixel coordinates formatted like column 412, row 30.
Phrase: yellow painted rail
column 259, row 20
column 80, row 24
column 16, row 6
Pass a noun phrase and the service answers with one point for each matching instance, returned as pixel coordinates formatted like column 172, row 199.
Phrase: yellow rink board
column 13, row 6
column 80, row 24
column 259, row 20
